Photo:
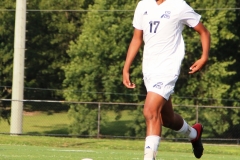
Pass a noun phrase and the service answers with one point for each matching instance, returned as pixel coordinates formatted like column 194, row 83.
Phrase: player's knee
column 150, row 114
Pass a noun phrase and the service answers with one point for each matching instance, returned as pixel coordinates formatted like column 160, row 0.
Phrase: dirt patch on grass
column 25, row 113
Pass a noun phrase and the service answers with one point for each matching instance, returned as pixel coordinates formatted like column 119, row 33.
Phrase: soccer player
column 159, row 23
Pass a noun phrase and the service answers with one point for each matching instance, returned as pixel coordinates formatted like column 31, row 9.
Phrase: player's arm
column 134, row 46
column 205, row 41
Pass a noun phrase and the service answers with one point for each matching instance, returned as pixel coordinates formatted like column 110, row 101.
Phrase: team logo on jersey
column 145, row 13
column 158, row 85
column 166, row 14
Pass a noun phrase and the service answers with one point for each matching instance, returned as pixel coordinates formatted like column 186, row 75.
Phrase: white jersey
column 162, row 27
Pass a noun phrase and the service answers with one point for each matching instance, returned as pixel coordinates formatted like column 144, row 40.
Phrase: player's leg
column 174, row 121
column 152, row 112
column 170, row 119
column 152, row 109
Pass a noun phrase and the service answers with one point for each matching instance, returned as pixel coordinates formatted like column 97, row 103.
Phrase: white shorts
column 162, row 85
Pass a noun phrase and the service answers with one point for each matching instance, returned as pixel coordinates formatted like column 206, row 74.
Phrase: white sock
column 188, row 131
column 151, row 146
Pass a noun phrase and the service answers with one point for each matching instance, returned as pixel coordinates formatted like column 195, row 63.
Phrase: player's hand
column 197, row 66
column 126, row 81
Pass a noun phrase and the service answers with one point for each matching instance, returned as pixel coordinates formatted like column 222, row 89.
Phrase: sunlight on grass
column 41, row 123
column 35, row 123
column 57, row 123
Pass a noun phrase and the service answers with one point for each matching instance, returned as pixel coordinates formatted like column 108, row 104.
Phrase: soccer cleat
column 197, row 142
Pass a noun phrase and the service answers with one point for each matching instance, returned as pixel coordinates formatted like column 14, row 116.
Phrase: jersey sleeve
column 188, row 16
column 137, row 19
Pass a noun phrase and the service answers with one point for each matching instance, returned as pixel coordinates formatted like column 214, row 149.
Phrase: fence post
column 197, row 114
column 99, row 119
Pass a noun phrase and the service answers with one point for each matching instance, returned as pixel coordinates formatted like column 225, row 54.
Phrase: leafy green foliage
column 6, row 55
column 101, row 55
column 98, row 55
column 49, row 34
column 84, row 120
column 7, row 19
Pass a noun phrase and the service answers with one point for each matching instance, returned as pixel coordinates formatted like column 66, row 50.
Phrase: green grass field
column 57, row 123
column 56, row 148
column 41, row 123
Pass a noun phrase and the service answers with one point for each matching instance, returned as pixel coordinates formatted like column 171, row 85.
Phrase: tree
column 49, row 33
column 97, row 57
column 234, row 90
column 7, row 18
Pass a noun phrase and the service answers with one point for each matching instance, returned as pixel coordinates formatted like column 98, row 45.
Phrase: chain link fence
column 52, row 118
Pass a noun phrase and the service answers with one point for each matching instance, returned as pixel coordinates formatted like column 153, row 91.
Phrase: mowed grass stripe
column 15, row 152
column 55, row 148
